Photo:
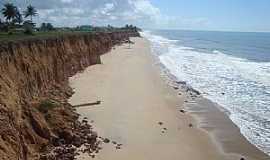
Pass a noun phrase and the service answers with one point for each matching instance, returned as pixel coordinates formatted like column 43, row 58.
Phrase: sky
column 220, row 15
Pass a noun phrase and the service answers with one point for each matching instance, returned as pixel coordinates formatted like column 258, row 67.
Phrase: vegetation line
column 20, row 25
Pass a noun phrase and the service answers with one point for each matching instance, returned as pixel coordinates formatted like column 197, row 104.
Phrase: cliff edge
column 34, row 113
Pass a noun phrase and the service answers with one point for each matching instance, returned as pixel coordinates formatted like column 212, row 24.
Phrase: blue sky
column 221, row 15
column 232, row 15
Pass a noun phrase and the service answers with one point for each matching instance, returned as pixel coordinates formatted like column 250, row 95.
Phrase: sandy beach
column 142, row 112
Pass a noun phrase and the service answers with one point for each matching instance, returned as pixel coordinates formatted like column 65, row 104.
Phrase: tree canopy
column 30, row 12
column 9, row 11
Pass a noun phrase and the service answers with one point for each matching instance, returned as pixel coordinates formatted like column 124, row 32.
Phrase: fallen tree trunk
column 87, row 104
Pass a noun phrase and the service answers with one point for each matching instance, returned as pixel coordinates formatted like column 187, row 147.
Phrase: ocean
column 229, row 68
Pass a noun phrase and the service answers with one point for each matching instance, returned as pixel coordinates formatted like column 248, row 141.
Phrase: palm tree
column 30, row 11
column 18, row 18
column 9, row 11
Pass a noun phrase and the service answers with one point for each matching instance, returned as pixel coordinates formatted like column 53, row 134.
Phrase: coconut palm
column 18, row 18
column 9, row 11
column 30, row 11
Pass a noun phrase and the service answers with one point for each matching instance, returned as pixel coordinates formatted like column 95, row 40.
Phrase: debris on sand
column 69, row 143
column 118, row 147
column 106, row 140
column 87, row 104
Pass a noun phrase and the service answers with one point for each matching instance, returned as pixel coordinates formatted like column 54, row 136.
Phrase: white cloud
column 103, row 12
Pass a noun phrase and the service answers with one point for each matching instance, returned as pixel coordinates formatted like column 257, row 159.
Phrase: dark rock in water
column 181, row 82
column 242, row 158
column 106, row 140
column 176, row 88
column 165, row 129
column 160, row 123
column 193, row 90
column 113, row 142
column 182, row 111
column 190, row 125
column 179, row 93
column 223, row 93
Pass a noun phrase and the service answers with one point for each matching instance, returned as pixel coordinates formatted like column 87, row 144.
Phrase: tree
column 28, row 27
column 46, row 27
column 1, row 25
column 18, row 18
column 43, row 27
column 9, row 11
column 30, row 11
column 50, row 27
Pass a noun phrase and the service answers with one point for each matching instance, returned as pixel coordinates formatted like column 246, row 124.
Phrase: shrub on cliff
column 47, row 105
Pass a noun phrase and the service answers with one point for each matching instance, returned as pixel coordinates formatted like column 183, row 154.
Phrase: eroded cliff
column 33, row 71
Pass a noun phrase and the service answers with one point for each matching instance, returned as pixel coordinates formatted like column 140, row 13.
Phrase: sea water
column 230, row 68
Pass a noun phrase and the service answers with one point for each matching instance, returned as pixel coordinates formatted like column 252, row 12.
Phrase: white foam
column 246, row 84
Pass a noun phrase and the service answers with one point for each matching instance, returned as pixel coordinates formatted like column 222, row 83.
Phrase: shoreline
column 184, row 139
column 212, row 118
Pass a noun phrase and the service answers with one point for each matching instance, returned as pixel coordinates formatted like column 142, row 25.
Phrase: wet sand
column 134, row 100
column 226, row 133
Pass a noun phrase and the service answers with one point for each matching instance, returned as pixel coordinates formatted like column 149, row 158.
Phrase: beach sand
column 134, row 100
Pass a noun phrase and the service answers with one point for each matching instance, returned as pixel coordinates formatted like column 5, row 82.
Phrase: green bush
column 28, row 30
column 28, row 27
column 47, row 105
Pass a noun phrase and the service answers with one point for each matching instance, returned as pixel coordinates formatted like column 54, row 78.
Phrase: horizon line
column 198, row 30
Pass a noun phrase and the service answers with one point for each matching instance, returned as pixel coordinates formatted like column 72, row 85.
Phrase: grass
column 4, row 36
column 47, row 105
column 18, row 36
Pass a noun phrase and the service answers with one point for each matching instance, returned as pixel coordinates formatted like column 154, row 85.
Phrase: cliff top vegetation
column 18, row 24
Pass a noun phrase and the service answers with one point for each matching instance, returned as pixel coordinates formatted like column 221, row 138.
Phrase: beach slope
column 139, row 110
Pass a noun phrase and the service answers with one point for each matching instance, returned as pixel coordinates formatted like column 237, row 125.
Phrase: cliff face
column 33, row 70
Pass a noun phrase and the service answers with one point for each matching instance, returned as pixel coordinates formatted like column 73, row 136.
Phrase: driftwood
column 87, row 104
